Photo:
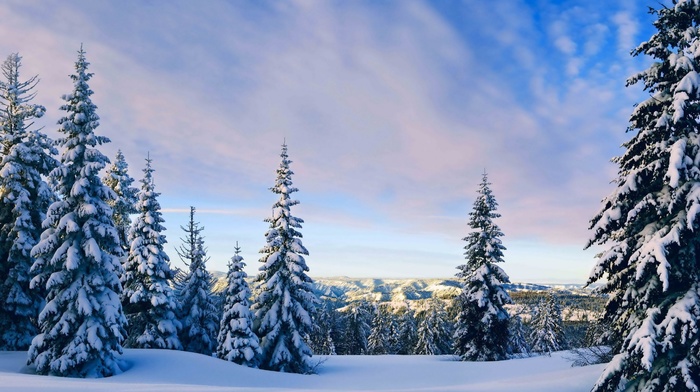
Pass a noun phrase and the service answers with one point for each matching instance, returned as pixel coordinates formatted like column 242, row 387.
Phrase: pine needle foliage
column 481, row 331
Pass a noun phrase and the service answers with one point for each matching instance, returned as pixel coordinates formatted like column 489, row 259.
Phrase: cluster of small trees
column 79, row 280
column 365, row 328
column 428, row 328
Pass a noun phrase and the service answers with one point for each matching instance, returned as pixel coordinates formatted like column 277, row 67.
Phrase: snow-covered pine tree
column 434, row 335
column 118, row 180
column 199, row 315
column 546, row 326
column 407, row 333
column 394, row 343
column 518, row 336
column 77, row 259
column 148, row 300
column 356, row 321
column 285, row 303
column 328, row 347
column 649, row 223
column 26, row 157
column 322, row 340
column 237, row 342
column 482, row 323
column 378, row 338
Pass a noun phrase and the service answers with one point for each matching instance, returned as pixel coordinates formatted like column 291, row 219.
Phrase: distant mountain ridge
column 393, row 290
column 400, row 290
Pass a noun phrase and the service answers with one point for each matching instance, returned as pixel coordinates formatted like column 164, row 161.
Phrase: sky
column 391, row 111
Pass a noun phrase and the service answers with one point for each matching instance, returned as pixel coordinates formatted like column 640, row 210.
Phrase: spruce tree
column 378, row 339
column 326, row 327
column 356, row 321
column 394, row 343
column 285, row 303
column 649, row 223
column 118, row 180
column 482, row 324
column 546, row 326
column 406, row 334
column 25, row 158
column 199, row 315
column 148, row 300
column 519, row 343
column 434, row 334
column 237, row 342
column 77, row 259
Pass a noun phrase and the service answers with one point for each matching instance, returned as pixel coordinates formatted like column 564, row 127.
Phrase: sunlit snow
column 166, row 371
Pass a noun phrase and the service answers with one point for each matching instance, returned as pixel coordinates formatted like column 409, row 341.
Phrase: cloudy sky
column 391, row 110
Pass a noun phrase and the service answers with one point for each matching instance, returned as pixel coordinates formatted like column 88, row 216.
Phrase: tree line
column 536, row 326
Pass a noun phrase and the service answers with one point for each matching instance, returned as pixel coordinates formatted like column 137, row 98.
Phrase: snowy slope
column 161, row 370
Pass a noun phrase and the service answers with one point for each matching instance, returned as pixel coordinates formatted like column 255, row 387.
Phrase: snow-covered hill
column 399, row 290
column 167, row 371
column 385, row 290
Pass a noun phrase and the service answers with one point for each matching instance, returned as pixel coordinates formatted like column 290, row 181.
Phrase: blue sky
column 391, row 110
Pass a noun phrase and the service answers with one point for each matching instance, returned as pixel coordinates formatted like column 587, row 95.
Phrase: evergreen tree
column 356, row 329
column 237, row 342
column 199, row 317
column 595, row 333
column 394, row 343
column 649, row 223
column 147, row 299
column 407, row 334
column 546, row 326
column 378, row 338
column 322, row 340
column 434, row 334
column 518, row 336
column 482, row 324
column 285, row 303
column 77, row 259
column 26, row 157
column 118, row 180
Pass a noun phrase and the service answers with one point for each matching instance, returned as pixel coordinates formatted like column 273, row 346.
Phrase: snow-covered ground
column 175, row 371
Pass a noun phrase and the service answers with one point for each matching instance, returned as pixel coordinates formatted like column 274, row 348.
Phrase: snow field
column 177, row 371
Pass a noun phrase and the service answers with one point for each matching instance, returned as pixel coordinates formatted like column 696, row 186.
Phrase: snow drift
column 166, row 371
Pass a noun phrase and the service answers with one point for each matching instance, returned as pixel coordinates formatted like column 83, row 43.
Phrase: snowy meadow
column 166, row 371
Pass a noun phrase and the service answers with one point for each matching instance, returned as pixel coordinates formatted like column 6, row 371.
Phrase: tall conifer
column 482, row 326
column 26, row 157
column 118, row 180
column 285, row 303
column 378, row 340
column 406, row 333
column 356, row 322
column 546, row 333
column 649, row 224
column 199, row 314
column 148, row 300
column 77, row 259
column 434, row 333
